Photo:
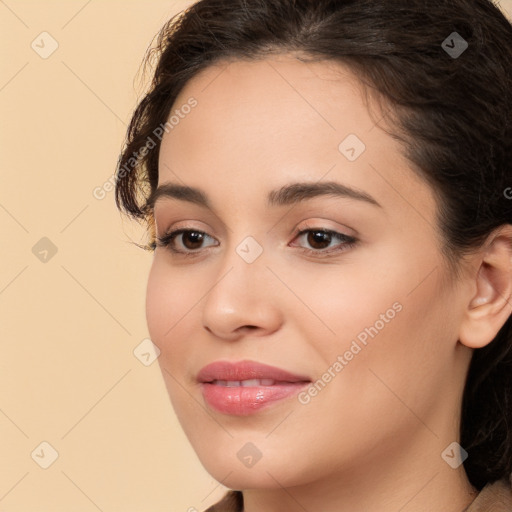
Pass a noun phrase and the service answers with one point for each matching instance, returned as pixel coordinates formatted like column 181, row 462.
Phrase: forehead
column 279, row 95
column 255, row 110
column 257, row 125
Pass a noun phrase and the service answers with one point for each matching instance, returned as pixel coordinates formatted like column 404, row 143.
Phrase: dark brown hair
column 452, row 111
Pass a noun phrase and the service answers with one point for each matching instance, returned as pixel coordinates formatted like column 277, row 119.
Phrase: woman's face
column 366, row 315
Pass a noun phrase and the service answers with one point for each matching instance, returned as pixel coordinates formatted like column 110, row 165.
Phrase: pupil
column 195, row 237
column 322, row 238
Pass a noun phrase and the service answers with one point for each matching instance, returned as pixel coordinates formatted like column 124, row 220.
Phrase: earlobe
column 489, row 308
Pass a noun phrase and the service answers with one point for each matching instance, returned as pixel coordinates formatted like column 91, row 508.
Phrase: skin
column 372, row 439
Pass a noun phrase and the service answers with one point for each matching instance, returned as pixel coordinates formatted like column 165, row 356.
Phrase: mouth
column 249, row 383
column 246, row 387
column 246, row 372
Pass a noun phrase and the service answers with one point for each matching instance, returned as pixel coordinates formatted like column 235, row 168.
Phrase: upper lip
column 246, row 370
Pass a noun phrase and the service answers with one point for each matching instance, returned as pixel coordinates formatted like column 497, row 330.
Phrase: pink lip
column 244, row 370
column 242, row 400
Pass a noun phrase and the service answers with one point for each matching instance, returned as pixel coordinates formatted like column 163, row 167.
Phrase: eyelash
column 167, row 239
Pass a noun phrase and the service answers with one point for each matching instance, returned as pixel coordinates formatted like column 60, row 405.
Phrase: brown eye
column 192, row 239
column 317, row 239
column 320, row 239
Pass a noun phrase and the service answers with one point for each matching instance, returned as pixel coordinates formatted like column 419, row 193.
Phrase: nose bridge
column 240, row 273
column 238, row 295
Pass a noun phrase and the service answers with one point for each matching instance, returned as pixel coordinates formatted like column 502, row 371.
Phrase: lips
column 245, row 371
column 247, row 387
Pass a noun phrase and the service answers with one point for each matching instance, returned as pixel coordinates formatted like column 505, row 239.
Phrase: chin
column 233, row 468
column 240, row 479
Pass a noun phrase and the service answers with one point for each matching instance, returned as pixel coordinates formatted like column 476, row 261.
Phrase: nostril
column 249, row 327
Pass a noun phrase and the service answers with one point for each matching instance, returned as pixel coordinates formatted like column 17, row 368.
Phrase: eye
column 320, row 239
column 191, row 241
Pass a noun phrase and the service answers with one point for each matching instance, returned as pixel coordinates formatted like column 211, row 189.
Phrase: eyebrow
column 286, row 195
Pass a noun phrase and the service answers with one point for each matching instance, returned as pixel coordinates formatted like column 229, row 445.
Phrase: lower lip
column 243, row 401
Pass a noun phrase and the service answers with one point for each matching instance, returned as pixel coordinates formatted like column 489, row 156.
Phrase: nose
column 240, row 300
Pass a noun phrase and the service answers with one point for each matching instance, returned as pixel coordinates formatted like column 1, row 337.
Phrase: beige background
column 69, row 325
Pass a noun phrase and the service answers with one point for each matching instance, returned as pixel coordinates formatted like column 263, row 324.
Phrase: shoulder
column 495, row 496
column 232, row 501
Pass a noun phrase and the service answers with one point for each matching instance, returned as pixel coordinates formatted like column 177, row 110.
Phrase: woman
column 326, row 186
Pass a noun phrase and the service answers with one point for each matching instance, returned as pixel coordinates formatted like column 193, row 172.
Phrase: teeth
column 244, row 383
column 257, row 382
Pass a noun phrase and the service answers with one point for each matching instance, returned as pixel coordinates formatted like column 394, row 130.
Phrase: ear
column 491, row 305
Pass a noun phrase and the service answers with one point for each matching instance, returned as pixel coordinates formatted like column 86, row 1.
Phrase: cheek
column 343, row 305
column 169, row 304
column 168, row 312
column 157, row 304
column 386, row 323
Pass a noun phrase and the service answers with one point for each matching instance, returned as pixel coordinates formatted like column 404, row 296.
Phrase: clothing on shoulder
column 494, row 497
